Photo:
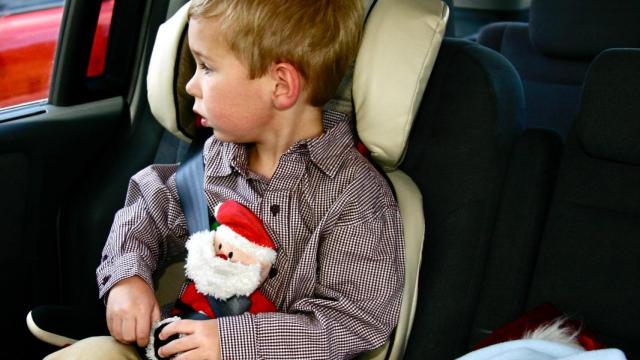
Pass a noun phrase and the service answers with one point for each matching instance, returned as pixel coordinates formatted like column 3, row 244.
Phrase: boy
column 265, row 69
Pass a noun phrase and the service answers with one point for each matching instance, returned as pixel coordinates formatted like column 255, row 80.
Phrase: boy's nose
column 191, row 86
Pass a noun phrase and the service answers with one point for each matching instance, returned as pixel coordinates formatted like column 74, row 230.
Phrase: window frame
column 70, row 84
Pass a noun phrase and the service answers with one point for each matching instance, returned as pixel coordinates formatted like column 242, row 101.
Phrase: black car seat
column 586, row 262
column 399, row 47
column 523, row 210
column 458, row 155
column 552, row 51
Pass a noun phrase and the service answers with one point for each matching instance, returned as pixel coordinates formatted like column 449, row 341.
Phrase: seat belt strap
column 190, row 184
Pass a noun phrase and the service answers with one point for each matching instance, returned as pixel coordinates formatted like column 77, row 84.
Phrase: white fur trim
column 150, row 351
column 261, row 253
column 557, row 331
column 214, row 276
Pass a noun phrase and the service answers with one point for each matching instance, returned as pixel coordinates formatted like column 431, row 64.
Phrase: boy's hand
column 200, row 340
column 131, row 309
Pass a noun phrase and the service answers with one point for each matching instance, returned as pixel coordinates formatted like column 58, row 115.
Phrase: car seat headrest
column 582, row 29
column 608, row 122
column 399, row 47
column 398, row 51
column 170, row 68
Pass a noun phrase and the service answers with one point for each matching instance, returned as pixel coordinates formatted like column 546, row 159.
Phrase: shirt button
column 275, row 209
column 105, row 279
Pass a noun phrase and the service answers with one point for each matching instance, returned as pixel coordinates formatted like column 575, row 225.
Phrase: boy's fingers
column 155, row 314
column 176, row 327
column 180, row 345
column 129, row 330
column 115, row 327
column 167, row 331
column 110, row 325
column 143, row 325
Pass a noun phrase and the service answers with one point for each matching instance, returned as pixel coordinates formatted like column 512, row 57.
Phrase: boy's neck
column 293, row 126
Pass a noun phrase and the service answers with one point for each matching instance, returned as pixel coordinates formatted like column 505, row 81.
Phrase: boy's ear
column 287, row 85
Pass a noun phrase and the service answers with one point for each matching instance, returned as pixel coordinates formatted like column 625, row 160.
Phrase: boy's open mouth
column 200, row 121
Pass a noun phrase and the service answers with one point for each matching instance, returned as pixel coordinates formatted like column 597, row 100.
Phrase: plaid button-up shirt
column 337, row 227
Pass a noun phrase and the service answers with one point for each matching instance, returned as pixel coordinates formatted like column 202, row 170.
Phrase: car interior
column 507, row 129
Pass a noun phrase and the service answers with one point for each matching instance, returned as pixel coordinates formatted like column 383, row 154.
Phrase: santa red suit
column 195, row 305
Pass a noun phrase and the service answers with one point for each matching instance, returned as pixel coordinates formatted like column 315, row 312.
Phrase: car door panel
column 43, row 158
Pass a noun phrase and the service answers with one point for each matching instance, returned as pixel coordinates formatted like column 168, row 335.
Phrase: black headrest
column 583, row 28
column 608, row 122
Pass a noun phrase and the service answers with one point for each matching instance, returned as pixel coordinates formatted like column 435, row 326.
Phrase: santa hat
column 242, row 228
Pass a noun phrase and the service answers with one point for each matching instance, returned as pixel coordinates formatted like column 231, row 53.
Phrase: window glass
column 28, row 36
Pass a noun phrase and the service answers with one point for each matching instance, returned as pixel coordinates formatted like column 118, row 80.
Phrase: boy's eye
column 230, row 255
column 220, row 247
column 204, row 67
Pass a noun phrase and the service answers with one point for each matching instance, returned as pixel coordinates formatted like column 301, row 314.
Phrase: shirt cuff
column 238, row 337
column 111, row 271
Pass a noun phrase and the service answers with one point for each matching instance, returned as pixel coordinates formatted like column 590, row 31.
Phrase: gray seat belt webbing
column 190, row 184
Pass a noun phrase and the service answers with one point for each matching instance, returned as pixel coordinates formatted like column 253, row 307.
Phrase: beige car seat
column 399, row 47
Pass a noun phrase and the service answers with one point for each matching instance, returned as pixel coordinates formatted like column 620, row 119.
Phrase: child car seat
column 400, row 44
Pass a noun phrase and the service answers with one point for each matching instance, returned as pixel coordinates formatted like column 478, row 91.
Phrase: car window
column 8, row 7
column 29, row 31
column 471, row 15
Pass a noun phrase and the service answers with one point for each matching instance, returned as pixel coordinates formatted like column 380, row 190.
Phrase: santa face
column 236, row 254
column 216, row 276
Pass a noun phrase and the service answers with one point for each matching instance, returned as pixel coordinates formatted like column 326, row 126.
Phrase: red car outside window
column 27, row 46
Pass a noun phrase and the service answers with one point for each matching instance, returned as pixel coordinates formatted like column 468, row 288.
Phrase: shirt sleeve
column 355, row 304
column 146, row 231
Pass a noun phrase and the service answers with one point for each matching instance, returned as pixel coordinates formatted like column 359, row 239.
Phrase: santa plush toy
column 543, row 333
column 225, row 267
column 552, row 341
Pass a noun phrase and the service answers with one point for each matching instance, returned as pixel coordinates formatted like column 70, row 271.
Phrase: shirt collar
column 324, row 150
column 219, row 157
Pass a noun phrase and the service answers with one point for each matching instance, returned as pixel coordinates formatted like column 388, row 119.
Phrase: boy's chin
column 221, row 136
column 226, row 138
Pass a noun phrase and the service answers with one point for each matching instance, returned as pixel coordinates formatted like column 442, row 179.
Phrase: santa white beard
column 214, row 276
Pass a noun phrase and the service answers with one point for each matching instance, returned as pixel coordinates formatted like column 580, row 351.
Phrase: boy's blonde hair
column 320, row 38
